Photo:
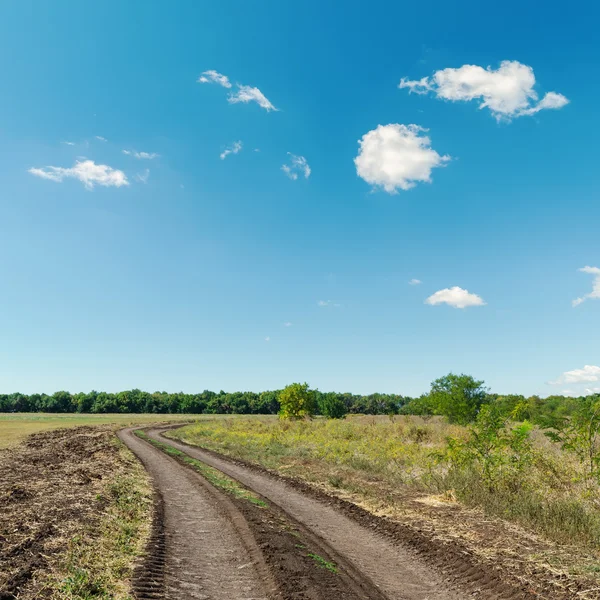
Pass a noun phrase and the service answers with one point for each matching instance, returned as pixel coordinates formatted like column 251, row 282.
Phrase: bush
column 297, row 401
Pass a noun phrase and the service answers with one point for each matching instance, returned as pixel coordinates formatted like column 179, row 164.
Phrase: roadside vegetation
column 531, row 462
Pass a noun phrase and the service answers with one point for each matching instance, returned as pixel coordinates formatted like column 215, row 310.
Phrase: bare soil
column 49, row 492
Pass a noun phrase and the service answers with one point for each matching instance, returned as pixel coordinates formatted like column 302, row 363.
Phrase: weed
column 323, row 563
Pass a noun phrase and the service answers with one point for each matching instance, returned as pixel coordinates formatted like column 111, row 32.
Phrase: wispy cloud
column 507, row 92
column 143, row 176
column 297, row 165
column 243, row 93
column 455, row 297
column 415, row 282
column 69, row 143
column 595, row 293
column 212, row 76
column 267, row 339
column 287, row 324
column 328, row 303
column 86, row 171
column 141, row 155
column 397, row 157
column 232, row 149
column 102, row 139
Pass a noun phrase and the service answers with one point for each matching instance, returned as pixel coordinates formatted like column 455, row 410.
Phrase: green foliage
column 580, row 434
column 297, row 401
column 497, row 453
column 331, row 406
column 457, row 397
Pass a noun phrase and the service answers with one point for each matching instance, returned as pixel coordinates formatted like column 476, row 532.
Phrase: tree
column 458, row 397
column 332, row 406
column 297, row 401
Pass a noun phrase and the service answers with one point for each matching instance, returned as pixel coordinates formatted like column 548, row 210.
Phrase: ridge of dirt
column 459, row 564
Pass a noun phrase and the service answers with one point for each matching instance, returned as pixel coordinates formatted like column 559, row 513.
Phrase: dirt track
column 202, row 545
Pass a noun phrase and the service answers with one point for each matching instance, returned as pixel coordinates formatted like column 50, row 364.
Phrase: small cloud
column 397, row 157
column 588, row 374
column 233, row 149
column 256, row 149
column 267, row 339
column 247, row 94
column 102, row 139
column 214, row 77
column 508, row 91
column 297, row 165
column 415, row 282
column 143, row 176
column 455, row 297
column 287, row 324
column 141, row 155
column 86, row 171
column 327, row 303
column 69, row 143
column 595, row 293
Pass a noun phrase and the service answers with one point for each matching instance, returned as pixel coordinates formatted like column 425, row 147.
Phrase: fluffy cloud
column 396, row 157
column 595, row 293
column 141, row 155
column 456, row 297
column 589, row 373
column 214, row 77
column 233, row 149
column 507, row 91
column 247, row 93
column 86, row 171
column 414, row 282
column 297, row 165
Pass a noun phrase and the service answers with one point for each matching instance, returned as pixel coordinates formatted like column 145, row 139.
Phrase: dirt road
column 204, row 549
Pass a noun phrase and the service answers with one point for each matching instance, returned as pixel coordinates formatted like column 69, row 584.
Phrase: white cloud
column 143, row 176
column 141, row 155
column 588, row 374
column 69, row 143
column 456, row 297
column 327, row 303
column 590, row 391
column 595, row 293
column 267, row 339
column 298, row 164
column 233, row 149
column 396, row 157
column 247, row 93
column 414, row 282
column 102, row 139
column 288, row 324
column 86, row 171
column 507, row 91
column 212, row 76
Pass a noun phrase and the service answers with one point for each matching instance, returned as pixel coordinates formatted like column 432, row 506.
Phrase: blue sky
column 187, row 271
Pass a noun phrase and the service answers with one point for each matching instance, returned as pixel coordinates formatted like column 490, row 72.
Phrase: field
column 14, row 427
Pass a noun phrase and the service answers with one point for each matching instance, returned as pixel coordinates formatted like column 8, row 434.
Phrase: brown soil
column 49, row 492
column 423, row 552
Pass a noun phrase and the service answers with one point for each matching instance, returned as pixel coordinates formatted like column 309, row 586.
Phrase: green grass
column 324, row 564
column 15, row 427
column 214, row 476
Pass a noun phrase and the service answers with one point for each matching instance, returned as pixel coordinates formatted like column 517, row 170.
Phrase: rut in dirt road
column 206, row 555
column 396, row 572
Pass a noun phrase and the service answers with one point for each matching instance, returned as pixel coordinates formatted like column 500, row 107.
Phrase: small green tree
column 297, row 401
column 580, row 434
column 458, row 397
column 332, row 406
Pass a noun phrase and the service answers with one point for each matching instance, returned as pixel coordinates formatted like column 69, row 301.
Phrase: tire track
column 207, row 548
column 393, row 569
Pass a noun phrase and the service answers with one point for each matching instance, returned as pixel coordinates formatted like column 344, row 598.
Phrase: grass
column 382, row 462
column 324, row 564
column 15, row 427
column 214, row 476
